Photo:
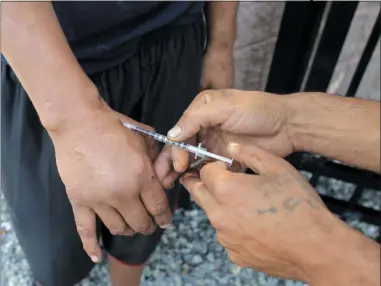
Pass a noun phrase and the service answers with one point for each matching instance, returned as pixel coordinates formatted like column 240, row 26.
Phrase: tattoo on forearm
column 266, row 211
column 291, row 203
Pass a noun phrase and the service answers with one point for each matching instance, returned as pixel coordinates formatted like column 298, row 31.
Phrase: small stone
column 210, row 257
column 193, row 224
column 196, row 259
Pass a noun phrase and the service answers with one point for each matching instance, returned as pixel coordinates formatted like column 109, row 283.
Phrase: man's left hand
column 273, row 221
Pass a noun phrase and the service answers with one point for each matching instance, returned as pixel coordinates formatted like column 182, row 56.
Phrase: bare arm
column 36, row 48
column 86, row 133
column 346, row 129
column 222, row 24
column 346, row 257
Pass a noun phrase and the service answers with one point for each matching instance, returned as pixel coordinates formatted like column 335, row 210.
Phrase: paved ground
column 188, row 254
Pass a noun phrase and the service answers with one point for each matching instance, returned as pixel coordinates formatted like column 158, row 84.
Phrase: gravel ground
column 188, row 254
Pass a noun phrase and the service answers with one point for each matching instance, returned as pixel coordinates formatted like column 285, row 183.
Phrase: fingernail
column 233, row 146
column 174, row 132
column 165, row 226
column 95, row 259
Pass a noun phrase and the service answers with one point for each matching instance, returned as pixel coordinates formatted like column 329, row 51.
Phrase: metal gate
column 304, row 60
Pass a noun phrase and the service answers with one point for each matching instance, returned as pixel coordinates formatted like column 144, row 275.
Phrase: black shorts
column 154, row 86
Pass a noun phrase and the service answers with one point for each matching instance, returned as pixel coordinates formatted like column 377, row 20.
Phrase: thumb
column 125, row 119
column 208, row 109
column 257, row 159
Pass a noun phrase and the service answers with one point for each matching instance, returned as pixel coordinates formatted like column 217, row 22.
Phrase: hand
column 245, row 117
column 273, row 221
column 171, row 162
column 217, row 69
column 107, row 171
column 217, row 73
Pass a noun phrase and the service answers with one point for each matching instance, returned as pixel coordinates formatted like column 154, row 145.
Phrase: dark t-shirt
column 103, row 34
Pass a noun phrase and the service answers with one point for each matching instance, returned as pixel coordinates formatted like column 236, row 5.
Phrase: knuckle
column 216, row 220
column 234, row 258
column 207, row 92
column 221, row 241
column 187, row 114
column 222, row 188
column 207, row 95
column 118, row 229
column 129, row 232
column 159, row 208
column 145, row 228
column 196, row 188
column 119, row 194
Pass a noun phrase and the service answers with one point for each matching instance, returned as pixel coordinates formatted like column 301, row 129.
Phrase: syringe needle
column 198, row 151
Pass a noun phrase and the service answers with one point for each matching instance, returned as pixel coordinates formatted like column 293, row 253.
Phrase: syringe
column 198, row 151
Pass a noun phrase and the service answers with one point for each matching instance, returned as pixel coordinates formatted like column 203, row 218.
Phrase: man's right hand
column 246, row 117
column 107, row 171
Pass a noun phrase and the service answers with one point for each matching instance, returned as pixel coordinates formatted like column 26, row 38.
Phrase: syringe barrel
column 194, row 150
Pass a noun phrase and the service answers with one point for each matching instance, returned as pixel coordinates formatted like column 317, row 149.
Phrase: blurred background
column 283, row 48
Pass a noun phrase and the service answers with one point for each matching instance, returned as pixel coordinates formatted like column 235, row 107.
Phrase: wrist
column 303, row 115
column 221, row 46
column 75, row 105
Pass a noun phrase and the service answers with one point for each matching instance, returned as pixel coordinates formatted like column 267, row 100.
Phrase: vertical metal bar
column 365, row 57
column 356, row 195
column 299, row 26
column 314, row 180
column 331, row 43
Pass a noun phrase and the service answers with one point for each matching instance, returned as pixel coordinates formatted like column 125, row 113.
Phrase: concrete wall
column 258, row 26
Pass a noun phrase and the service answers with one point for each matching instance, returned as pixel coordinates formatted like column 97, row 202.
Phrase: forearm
column 221, row 18
column 346, row 129
column 36, row 48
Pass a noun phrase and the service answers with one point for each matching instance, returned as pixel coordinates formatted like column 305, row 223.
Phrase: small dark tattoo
column 269, row 210
column 291, row 203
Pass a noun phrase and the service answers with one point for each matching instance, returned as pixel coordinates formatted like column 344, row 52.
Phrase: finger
column 155, row 200
column 215, row 176
column 180, row 159
column 207, row 110
column 169, row 181
column 257, row 159
column 163, row 164
column 136, row 216
column 180, row 156
column 164, row 168
column 199, row 191
column 86, row 227
column 113, row 220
